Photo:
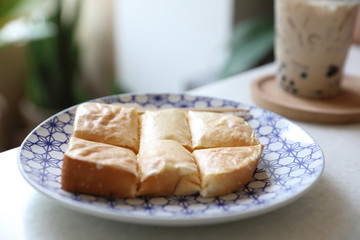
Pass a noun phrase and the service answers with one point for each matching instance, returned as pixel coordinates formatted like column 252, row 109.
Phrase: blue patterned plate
column 290, row 165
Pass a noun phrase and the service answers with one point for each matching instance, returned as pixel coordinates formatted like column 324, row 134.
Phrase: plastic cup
column 312, row 41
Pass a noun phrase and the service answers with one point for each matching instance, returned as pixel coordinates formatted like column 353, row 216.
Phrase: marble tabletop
column 331, row 210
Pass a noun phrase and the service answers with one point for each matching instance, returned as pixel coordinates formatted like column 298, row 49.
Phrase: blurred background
column 54, row 54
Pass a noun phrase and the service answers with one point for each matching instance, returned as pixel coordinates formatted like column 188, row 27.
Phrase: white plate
column 291, row 163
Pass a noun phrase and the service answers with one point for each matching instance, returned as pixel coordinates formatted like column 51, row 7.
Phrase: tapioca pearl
column 332, row 71
column 283, row 78
column 294, row 91
column 291, row 86
column 303, row 75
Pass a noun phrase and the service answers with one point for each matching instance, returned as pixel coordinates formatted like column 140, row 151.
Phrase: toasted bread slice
column 209, row 130
column 166, row 168
column 100, row 169
column 111, row 124
column 167, row 124
column 224, row 170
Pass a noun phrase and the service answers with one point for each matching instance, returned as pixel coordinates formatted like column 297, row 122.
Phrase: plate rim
column 166, row 221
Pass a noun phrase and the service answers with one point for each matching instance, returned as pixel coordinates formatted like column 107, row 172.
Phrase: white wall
column 161, row 45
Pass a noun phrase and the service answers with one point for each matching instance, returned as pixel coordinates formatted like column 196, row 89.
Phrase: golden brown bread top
column 165, row 168
column 225, row 159
column 167, row 124
column 209, row 130
column 224, row 170
column 106, row 123
column 161, row 155
column 102, row 154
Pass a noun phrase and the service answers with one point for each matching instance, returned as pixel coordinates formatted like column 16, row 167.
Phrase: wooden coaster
column 345, row 108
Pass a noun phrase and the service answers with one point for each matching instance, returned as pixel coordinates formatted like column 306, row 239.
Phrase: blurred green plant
column 52, row 51
column 53, row 79
column 53, row 63
column 252, row 40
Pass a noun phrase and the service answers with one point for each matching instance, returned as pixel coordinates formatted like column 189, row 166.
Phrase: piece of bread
column 106, row 123
column 167, row 124
column 224, row 170
column 100, row 169
column 209, row 130
column 116, row 153
column 165, row 168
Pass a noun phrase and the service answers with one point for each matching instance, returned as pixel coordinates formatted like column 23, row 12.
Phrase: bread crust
column 100, row 169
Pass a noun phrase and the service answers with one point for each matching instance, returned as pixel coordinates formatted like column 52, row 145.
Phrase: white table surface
column 331, row 210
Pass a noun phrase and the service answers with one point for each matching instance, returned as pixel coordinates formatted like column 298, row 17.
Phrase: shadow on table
column 317, row 215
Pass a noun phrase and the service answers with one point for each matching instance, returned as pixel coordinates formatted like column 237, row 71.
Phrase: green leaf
column 251, row 41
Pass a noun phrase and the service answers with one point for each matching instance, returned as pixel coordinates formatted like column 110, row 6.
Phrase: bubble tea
column 312, row 41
